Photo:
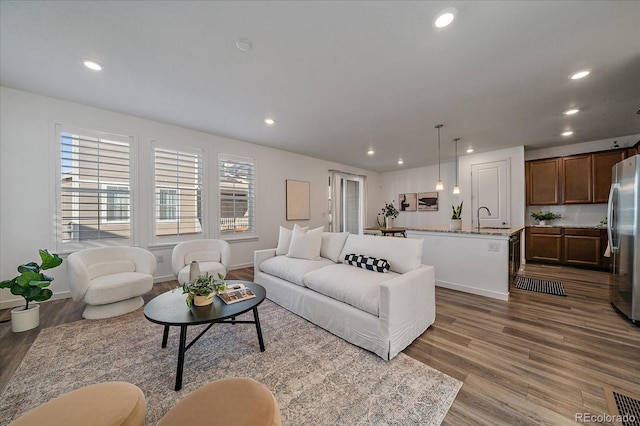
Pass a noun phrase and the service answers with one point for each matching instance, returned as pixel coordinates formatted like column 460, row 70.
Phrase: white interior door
column 490, row 188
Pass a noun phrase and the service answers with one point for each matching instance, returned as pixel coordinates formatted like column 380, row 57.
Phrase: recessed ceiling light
column 400, row 161
column 469, row 150
column 371, row 152
column 572, row 111
column 567, row 133
column 445, row 18
column 269, row 121
column 244, row 44
column 579, row 75
column 93, row 66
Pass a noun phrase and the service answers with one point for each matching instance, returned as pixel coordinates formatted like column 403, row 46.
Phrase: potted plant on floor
column 542, row 218
column 202, row 290
column 456, row 217
column 390, row 212
column 32, row 285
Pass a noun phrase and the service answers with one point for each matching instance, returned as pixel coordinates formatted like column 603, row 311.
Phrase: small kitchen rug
column 540, row 286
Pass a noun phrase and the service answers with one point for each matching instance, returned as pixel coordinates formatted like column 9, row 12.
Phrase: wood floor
column 536, row 359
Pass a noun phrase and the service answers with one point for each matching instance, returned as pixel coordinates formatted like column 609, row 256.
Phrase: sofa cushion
column 332, row 244
column 403, row 254
column 291, row 269
column 108, row 268
column 284, row 239
column 305, row 244
column 202, row 256
column 357, row 287
column 117, row 287
column 366, row 262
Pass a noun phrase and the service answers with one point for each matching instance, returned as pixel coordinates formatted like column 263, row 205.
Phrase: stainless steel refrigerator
column 623, row 222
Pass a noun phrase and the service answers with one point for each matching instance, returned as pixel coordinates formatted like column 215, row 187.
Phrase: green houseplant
column 201, row 291
column 456, row 217
column 543, row 217
column 32, row 285
column 389, row 211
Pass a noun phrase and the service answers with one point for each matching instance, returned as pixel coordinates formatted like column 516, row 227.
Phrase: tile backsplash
column 572, row 214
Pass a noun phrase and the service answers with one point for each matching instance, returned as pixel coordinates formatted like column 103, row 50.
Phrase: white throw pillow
column 306, row 244
column 284, row 239
column 332, row 244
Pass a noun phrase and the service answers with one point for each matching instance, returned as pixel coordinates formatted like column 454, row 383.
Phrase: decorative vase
column 202, row 300
column 542, row 222
column 389, row 223
column 194, row 271
column 455, row 225
column 23, row 320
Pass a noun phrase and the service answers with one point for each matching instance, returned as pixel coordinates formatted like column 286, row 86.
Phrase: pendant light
column 439, row 185
column 456, row 189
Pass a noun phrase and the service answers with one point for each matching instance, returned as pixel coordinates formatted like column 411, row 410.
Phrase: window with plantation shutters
column 94, row 201
column 178, row 192
column 236, row 180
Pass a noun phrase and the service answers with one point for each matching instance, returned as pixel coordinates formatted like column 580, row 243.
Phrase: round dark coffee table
column 170, row 309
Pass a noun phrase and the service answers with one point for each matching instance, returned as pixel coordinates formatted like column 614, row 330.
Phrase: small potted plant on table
column 456, row 217
column 202, row 290
column 32, row 285
column 542, row 218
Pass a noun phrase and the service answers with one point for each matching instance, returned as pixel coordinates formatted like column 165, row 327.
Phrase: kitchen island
column 475, row 261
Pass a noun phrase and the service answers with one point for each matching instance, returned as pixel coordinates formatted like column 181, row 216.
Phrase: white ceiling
column 340, row 77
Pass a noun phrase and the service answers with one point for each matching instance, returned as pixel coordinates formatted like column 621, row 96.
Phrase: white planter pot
column 455, row 225
column 22, row 320
column 389, row 224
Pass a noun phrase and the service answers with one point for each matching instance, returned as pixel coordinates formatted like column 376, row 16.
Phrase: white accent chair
column 110, row 280
column 213, row 257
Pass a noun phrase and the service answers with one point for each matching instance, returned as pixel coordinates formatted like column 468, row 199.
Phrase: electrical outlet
column 494, row 247
column 160, row 258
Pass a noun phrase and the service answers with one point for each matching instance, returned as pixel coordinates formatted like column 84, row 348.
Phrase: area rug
column 540, row 286
column 316, row 377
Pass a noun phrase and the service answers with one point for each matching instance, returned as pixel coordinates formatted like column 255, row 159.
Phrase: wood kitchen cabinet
column 543, row 182
column 603, row 163
column 577, row 179
column 581, row 247
column 544, row 244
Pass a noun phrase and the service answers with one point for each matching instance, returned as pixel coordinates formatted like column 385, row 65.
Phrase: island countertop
column 503, row 232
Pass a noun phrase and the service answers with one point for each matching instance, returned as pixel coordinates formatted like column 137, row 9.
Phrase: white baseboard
column 19, row 301
column 473, row 290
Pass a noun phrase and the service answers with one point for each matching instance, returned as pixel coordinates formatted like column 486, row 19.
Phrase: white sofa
column 110, row 280
column 381, row 312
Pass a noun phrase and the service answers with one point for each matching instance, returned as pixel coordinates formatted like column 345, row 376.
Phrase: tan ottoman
column 103, row 404
column 229, row 402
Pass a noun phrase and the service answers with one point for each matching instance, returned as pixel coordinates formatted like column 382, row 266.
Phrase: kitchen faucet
column 478, row 214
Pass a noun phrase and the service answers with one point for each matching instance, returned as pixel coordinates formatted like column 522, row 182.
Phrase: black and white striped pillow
column 366, row 262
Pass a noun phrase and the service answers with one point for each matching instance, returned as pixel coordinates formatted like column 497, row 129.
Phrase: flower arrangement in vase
column 202, row 290
column 390, row 212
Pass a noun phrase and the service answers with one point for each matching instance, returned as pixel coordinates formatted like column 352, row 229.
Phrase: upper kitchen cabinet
column 577, row 174
column 543, row 182
column 577, row 179
column 603, row 163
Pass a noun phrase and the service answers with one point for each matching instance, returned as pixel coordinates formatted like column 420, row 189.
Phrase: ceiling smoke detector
column 244, row 44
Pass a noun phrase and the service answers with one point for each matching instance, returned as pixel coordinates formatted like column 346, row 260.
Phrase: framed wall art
column 407, row 202
column 428, row 201
column 298, row 200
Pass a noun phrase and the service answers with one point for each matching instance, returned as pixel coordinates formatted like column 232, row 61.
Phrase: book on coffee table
column 236, row 293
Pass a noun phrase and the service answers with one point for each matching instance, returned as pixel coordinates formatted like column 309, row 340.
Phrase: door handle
column 611, row 217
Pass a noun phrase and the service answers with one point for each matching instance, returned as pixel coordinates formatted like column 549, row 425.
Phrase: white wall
column 581, row 148
column 27, row 189
column 420, row 179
